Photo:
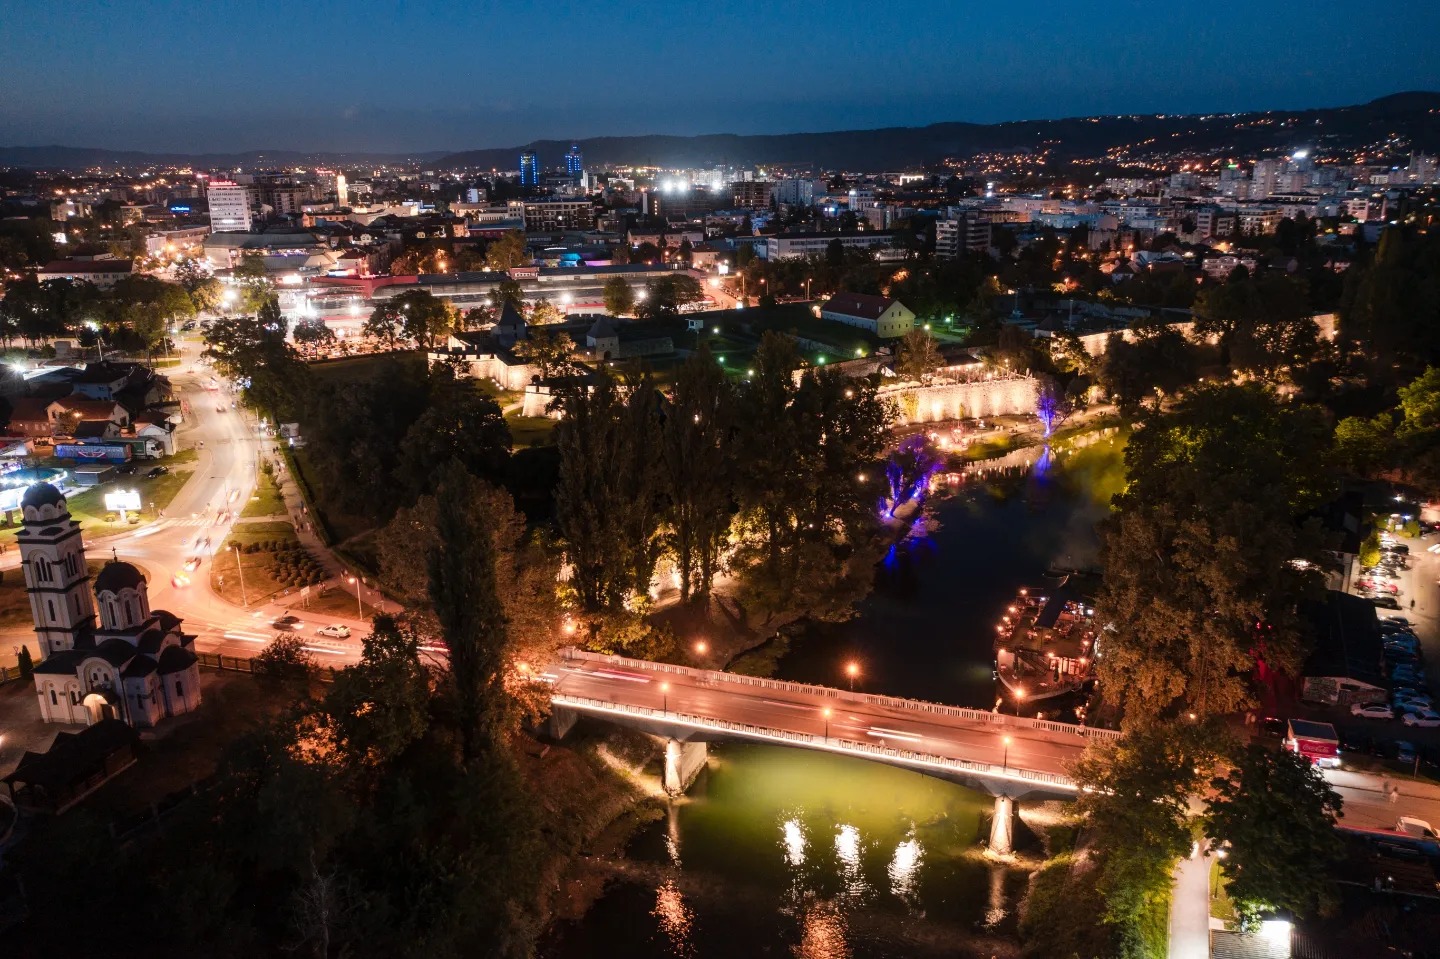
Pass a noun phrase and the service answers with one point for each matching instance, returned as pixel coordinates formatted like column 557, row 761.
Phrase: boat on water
column 1044, row 644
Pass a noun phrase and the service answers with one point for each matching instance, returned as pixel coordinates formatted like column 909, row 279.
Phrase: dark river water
column 785, row 852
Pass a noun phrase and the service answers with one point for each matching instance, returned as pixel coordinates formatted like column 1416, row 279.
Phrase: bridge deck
column 944, row 738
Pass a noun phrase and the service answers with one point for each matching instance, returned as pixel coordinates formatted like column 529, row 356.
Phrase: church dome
column 115, row 576
column 42, row 494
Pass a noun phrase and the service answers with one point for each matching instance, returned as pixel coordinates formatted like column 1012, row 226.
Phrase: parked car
column 336, row 630
column 1355, row 741
column 1421, row 717
column 157, row 471
column 1399, row 620
column 288, row 624
column 1372, row 711
column 1400, row 548
column 1384, row 602
column 127, row 469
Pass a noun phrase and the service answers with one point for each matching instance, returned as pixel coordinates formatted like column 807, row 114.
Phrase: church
column 136, row 665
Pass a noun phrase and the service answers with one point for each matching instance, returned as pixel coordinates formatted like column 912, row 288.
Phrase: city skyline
column 108, row 79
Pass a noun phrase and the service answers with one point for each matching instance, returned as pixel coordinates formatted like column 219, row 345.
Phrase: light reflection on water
column 675, row 918
column 904, row 868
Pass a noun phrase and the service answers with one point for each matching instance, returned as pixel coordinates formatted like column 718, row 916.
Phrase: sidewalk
column 1190, row 910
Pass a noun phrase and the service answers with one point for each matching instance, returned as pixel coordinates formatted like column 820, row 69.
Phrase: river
column 784, row 852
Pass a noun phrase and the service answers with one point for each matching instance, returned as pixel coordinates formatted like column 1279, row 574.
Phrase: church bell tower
column 52, row 556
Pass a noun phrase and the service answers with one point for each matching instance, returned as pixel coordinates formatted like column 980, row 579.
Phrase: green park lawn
column 530, row 430
column 355, row 369
column 266, row 500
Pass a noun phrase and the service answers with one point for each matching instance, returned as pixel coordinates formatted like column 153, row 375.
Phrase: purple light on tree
column 908, row 473
column 1051, row 406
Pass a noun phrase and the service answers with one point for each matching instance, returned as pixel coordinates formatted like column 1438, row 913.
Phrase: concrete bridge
column 1009, row 757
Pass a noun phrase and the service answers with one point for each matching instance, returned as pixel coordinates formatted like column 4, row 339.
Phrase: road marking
column 882, row 733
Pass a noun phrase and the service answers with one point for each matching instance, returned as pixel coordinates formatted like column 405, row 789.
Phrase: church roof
column 61, row 663
column 175, row 659
column 114, row 651
column 42, row 494
column 602, row 329
column 150, row 642
column 116, row 575
column 168, row 620
column 139, row 666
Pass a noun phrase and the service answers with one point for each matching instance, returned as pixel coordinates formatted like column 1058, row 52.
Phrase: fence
column 831, row 743
column 978, row 716
column 246, row 664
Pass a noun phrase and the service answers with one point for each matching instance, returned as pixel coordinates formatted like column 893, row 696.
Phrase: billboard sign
column 122, row 499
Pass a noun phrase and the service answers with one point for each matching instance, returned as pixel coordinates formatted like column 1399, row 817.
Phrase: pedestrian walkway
column 1190, row 909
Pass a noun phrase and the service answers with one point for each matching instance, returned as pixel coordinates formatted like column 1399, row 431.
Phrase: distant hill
column 84, row 158
column 1413, row 117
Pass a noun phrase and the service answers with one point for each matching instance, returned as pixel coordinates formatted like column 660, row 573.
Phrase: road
column 224, row 479
column 1006, row 742
column 1190, row 909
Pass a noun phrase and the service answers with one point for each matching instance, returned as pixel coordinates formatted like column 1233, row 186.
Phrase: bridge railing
column 832, row 743
column 979, row 716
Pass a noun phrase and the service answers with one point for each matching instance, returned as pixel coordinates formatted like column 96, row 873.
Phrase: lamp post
column 852, row 669
column 359, row 609
column 241, row 570
column 1005, row 762
column 664, row 698
column 826, row 713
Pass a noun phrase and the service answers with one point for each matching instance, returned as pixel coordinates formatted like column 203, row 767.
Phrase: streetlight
column 826, row 713
column 360, row 609
column 701, row 647
column 852, row 669
column 1005, row 761
column 664, row 698
column 241, row 570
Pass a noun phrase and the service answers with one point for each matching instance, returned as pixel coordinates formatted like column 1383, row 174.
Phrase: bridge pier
column 1002, row 827
column 560, row 722
column 683, row 762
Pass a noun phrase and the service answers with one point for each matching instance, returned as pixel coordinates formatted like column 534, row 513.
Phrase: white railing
column 810, row 740
column 979, row 716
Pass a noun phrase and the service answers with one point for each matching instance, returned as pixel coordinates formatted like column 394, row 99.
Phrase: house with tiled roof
column 884, row 316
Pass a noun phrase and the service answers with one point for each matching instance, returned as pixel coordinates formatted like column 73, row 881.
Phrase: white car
column 1422, row 717
column 1372, row 711
column 336, row 631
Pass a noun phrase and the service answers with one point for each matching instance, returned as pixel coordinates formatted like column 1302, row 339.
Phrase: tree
column 1201, row 575
column 460, row 424
column 471, row 618
column 548, row 350
column 507, row 252
column 835, row 253
column 1136, row 794
column 253, row 282
column 619, row 297
column 285, row 658
column 1052, row 406
column 508, row 291
column 545, row 313
column 253, row 352
column 1420, row 403
column 919, row 356
column 386, row 322
column 25, row 664
column 313, row 333
column 607, row 501
column 668, row 295
column 698, row 478
column 1276, row 814
column 423, row 317
column 1364, row 445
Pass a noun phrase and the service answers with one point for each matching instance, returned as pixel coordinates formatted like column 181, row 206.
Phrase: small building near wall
column 884, row 316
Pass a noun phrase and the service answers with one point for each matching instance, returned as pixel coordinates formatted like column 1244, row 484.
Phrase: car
column 179, row 580
column 202, row 543
column 219, row 409
column 1421, row 717
column 127, row 469
column 1397, row 620
column 157, row 471
column 288, row 624
column 1274, row 726
column 192, row 564
column 1402, row 674
column 1372, row 711
column 1384, row 602
column 1399, row 548
column 1403, row 706
column 335, row 630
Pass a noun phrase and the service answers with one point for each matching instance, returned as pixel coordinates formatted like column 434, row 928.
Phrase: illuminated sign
column 122, row 499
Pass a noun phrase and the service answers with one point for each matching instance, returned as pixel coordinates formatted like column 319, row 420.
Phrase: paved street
column 1190, row 909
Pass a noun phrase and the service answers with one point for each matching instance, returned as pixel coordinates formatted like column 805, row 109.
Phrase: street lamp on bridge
column 664, row 697
column 1005, row 762
column 826, row 713
column 852, row 669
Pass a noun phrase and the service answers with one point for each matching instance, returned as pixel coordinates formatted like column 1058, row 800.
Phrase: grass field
column 353, row 369
column 266, row 501
column 531, row 430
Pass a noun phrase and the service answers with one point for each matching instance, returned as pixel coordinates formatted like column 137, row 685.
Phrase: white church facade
column 135, row 665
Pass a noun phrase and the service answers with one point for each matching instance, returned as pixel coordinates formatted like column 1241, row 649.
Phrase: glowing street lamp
column 1005, row 761
column 664, row 697
column 355, row 581
column 701, row 647
column 826, row 713
column 852, row 669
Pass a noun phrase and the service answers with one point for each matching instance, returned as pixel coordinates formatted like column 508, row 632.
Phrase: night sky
column 220, row 75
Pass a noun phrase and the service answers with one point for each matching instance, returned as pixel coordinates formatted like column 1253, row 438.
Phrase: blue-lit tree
column 907, row 474
column 1052, row 406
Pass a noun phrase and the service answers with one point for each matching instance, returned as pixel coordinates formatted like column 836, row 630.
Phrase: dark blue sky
column 199, row 75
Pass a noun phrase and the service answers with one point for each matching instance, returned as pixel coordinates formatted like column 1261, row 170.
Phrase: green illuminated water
column 787, row 852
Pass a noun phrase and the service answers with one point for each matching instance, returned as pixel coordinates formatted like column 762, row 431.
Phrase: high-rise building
column 342, row 190
column 529, row 169
column 574, row 162
column 968, row 231
column 229, row 207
